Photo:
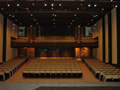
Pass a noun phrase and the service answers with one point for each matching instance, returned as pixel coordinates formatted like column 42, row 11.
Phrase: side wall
column 10, row 52
column 98, row 52
column 1, row 37
column 114, row 37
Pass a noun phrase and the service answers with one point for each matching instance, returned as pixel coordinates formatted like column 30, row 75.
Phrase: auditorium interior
column 59, row 44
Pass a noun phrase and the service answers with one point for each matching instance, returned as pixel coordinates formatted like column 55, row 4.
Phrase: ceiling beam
column 61, row 0
column 56, row 12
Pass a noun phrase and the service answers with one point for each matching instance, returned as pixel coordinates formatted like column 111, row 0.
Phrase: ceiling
column 62, row 13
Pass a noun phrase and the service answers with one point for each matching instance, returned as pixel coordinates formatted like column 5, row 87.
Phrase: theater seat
column 53, row 67
column 2, row 75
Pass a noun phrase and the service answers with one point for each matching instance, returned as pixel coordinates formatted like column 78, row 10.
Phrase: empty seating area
column 46, row 39
column 53, row 68
column 58, row 58
column 21, row 40
column 102, row 71
column 8, row 68
column 54, row 39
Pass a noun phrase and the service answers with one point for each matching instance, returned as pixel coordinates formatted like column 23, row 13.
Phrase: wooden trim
column 110, row 37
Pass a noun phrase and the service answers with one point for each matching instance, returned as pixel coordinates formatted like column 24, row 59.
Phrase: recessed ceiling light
column 8, row 5
column 52, row 4
column 34, row 19
column 14, row 25
column 73, row 20
column 116, row 6
column 102, row 9
column 94, row 16
column 53, row 14
column 75, row 15
column 13, row 28
column 52, row 8
column 31, row 15
column 88, row 23
column 60, row 4
column 91, row 19
column 37, row 23
column 2, row 9
column 77, row 8
column 71, row 23
column 89, row 5
column 54, row 23
column 27, row 8
column 18, row 4
column 15, row 19
column 13, row 16
column 20, row 23
column 95, row 5
column 10, row 15
column 45, row 4
column 53, row 19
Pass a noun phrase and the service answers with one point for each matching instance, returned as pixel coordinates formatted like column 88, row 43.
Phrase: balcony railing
column 54, row 41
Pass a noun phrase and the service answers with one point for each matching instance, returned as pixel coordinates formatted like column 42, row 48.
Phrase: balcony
column 54, row 41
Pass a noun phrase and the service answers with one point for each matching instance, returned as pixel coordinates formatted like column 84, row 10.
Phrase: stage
column 59, row 85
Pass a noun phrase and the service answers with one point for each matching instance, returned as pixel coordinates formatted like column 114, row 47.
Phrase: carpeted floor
column 87, row 76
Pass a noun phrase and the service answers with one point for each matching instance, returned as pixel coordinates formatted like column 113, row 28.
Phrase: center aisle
column 87, row 76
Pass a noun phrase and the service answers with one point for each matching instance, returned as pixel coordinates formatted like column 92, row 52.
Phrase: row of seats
column 61, row 58
column 21, row 39
column 102, row 71
column 88, row 41
column 52, row 68
column 88, row 38
column 55, row 39
column 8, row 68
column 46, row 39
